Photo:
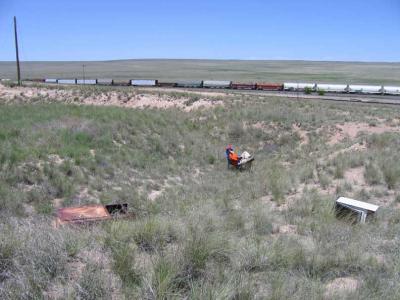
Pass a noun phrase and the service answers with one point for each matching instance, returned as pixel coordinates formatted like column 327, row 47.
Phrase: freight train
column 221, row 84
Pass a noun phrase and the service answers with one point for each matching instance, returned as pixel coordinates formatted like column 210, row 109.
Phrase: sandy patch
column 352, row 129
column 288, row 229
column 56, row 159
column 58, row 202
column 84, row 197
column 355, row 176
column 341, row 286
column 153, row 195
column 353, row 148
column 202, row 103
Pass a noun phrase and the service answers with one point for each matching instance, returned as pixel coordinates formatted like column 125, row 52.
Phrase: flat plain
column 236, row 70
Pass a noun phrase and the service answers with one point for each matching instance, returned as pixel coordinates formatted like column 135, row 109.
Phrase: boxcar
column 243, row 86
column 190, row 83
column 87, row 81
column 217, row 84
column 36, row 80
column 105, row 81
column 66, row 81
column 144, row 82
column 270, row 86
column 124, row 82
column 50, row 80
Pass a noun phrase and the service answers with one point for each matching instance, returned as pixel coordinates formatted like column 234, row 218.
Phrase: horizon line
column 210, row 59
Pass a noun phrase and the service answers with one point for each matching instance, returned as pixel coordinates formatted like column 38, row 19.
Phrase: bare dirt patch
column 341, row 286
column 352, row 129
column 288, row 229
column 353, row 148
column 355, row 176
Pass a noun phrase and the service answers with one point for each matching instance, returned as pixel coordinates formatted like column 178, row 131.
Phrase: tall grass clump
column 199, row 249
column 94, row 283
column 391, row 174
column 277, row 182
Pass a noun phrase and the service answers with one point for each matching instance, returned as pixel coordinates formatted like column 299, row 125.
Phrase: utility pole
column 16, row 51
column 83, row 73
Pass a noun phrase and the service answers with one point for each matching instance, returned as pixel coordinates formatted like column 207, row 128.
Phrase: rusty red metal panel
column 270, row 86
column 243, row 86
column 84, row 213
column 91, row 213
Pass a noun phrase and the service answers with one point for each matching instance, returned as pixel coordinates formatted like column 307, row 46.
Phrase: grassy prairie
column 237, row 70
column 201, row 231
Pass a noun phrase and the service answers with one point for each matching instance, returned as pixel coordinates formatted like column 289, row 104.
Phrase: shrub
column 152, row 234
column 262, row 222
column 277, row 183
column 372, row 174
column 236, row 131
column 211, row 159
column 287, row 253
column 308, row 90
column 235, row 220
column 124, row 259
column 306, row 173
column 324, row 180
column 192, row 99
column 391, row 174
column 321, row 92
column 164, row 281
column 199, row 248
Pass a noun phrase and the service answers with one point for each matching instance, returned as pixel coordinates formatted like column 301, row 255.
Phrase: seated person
column 233, row 158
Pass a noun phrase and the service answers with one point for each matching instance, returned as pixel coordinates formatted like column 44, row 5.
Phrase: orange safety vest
column 234, row 158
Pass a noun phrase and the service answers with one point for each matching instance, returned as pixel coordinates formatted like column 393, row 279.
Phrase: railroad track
column 359, row 98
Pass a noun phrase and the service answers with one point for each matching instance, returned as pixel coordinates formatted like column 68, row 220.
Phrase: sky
column 335, row 30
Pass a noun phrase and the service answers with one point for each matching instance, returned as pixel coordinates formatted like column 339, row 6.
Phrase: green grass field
column 247, row 71
column 201, row 231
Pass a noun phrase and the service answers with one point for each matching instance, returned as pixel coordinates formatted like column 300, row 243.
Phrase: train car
column 166, row 84
column 217, row 84
column 50, row 80
column 105, row 81
column 243, row 86
column 391, row 90
column 294, row 86
column 334, row 88
column 122, row 82
column 366, row 89
column 87, row 81
column 66, row 81
column 35, row 80
column 190, row 83
column 144, row 82
column 269, row 86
